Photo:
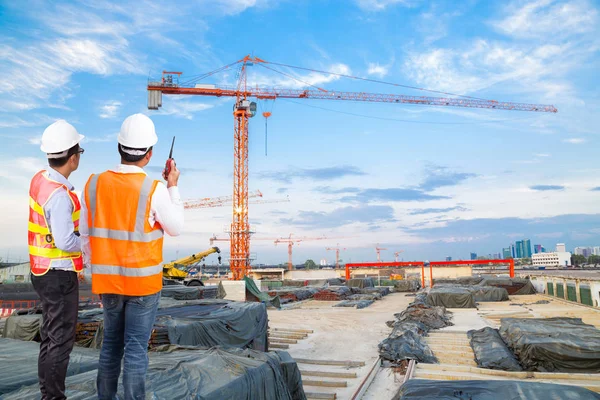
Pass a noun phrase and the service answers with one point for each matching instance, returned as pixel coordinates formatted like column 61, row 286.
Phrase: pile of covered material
column 360, row 283
column 333, row 293
column 382, row 290
column 404, row 285
column 23, row 327
column 553, row 344
column 181, row 292
column 451, row 297
column 406, row 342
column 355, row 303
column 512, row 285
column 179, row 374
column 490, row 350
column 294, row 293
column 425, row 389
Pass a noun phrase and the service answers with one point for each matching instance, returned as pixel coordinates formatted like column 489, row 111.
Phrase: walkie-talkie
column 167, row 170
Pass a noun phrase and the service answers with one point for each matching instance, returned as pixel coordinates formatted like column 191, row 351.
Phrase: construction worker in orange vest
column 124, row 216
column 55, row 254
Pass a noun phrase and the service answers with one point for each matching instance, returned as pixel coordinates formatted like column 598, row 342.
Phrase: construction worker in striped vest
column 124, row 216
column 55, row 254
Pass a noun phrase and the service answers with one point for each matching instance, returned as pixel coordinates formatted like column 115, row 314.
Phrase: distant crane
column 337, row 254
column 216, row 201
column 290, row 242
column 396, row 254
column 378, row 250
column 244, row 109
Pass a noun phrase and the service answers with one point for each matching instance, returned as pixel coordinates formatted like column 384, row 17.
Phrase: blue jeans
column 128, row 322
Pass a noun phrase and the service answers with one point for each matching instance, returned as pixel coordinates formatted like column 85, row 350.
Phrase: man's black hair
column 60, row 162
column 131, row 158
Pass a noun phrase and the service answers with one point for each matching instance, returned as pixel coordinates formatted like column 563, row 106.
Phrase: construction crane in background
column 291, row 243
column 244, row 109
column 378, row 250
column 396, row 254
column 337, row 254
column 226, row 200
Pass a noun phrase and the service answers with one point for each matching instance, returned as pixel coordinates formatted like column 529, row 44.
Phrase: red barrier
column 510, row 262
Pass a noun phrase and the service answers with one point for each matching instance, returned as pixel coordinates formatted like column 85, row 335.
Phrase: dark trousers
column 59, row 292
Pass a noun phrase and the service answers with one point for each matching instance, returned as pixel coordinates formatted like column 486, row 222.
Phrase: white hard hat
column 137, row 132
column 59, row 137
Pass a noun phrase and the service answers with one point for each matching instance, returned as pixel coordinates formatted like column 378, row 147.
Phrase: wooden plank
column 338, row 384
column 280, row 340
column 292, row 330
column 288, row 335
column 331, row 362
column 278, row 346
column 364, row 385
column 319, row 396
column 327, row 374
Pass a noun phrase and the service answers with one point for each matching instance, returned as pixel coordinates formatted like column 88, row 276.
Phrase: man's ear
column 149, row 155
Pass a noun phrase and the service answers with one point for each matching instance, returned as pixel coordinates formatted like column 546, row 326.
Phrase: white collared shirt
column 166, row 208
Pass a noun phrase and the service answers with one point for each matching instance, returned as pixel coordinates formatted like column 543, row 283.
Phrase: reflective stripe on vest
column 123, row 261
column 42, row 249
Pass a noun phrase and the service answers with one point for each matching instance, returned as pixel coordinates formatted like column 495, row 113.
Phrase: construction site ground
column 348, row 334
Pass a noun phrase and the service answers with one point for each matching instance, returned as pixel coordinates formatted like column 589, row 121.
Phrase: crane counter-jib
column 274, row 93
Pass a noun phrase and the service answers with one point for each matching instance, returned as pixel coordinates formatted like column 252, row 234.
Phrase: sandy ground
column 342, row 333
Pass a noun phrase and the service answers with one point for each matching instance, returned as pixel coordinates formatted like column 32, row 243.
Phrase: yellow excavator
column 178, row 270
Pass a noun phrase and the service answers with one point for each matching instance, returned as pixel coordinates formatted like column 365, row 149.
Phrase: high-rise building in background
column 543, row 249
column 596, row 250
column 513, row 250
column 526, row 248
column 506, row 254
column 584, row 251
column 520, row 249
column 537, row 248
column 560, row 248
column 473, row 256
column 448, row 258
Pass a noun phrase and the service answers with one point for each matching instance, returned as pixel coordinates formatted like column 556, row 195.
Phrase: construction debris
column 355, row 303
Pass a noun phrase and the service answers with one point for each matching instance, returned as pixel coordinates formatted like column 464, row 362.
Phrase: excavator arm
column 171, row 270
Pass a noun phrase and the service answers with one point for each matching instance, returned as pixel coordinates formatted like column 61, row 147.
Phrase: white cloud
column 299, row 80
column 541, row 155
column 184, row 108
column 548, row 17
column 379, row 70
column 110, row 109
column 380, row 5
column 101, row 139
column 574, row 140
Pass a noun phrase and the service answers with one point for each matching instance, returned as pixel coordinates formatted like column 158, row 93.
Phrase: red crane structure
column 378, row 250
column 222, row 201
column 396, row 254
column 244, row 109
column 291, row 243
column 337, row 254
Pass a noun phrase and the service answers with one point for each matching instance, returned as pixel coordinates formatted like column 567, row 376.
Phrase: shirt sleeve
column 168, row 209
column 59, row 212
column 84, row 232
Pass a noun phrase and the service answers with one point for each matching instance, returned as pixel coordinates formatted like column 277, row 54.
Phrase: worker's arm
column 59, row 214
column 167, row 205
column 84, row 232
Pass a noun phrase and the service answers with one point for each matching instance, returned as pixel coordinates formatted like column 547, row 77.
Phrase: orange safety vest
column 126, row 251
column 42, row 249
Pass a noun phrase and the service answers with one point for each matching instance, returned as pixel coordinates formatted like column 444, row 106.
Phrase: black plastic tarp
column 433, row 317
column 360, row 283
column 553, row 344
column 355, row 303
column 217, row 322
column 451, row 297
column 463, row 280
column 512, row 285
column 179, row 374
column 491, row 351
column 23, row 327
column 425, row 389
column 489, row 293
column 181, row 292
column 406, row 342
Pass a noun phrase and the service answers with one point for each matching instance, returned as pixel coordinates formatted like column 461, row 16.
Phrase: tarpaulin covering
column 355, row 303
column 553, row 344
column 427, row 389
column 179, row 374
column 333, row 293
column 360, row 282
column 372, row 296
column 216, row 322
column 406, row 343
column 489, row 293
column 463, row 280
column 433, row 317
column 23, row 327
column 451, row 297
column 253, row 293
column 294, row 293
column 404, row 285
column 512, row 285
column 18, row 365
column 382, row 290
column 182, row 292
column 491, row 351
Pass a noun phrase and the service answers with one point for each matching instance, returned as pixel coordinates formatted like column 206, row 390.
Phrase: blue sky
column 433, row 181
